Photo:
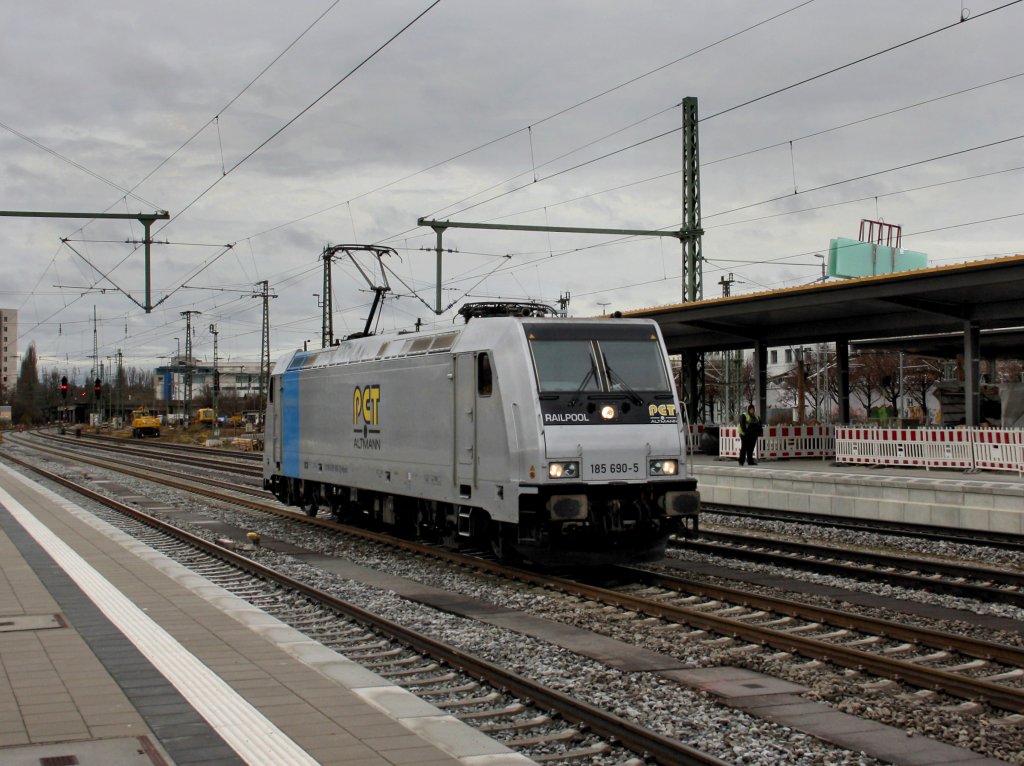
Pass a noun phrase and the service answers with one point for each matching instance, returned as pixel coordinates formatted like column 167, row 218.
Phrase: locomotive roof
column 394, row 345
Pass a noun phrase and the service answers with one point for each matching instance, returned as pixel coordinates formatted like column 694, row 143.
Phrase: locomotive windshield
column 599, row 365
column 565, row 365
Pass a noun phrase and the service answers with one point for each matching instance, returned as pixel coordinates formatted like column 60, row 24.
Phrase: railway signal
column 99, row 388
column 64, row 387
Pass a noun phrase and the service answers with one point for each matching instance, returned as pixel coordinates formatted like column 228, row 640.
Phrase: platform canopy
column 935, row 300
column 995, row 344
column 963, row 299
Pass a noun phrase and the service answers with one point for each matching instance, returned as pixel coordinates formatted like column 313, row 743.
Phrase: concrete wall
column 985, row 505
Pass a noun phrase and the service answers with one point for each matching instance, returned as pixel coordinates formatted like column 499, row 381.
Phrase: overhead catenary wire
column 251, row 153
column 559, row 113
column 558, row 203
column 749, row 102
column 706, row 216
column 301, row 112
column 565, row 110
column 707, row 163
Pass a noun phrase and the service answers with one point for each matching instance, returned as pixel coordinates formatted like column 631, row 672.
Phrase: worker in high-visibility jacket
column 750, row 432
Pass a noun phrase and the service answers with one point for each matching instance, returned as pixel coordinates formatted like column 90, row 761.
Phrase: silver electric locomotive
column 555, row 441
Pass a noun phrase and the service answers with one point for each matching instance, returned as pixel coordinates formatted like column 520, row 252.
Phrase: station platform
column 988, row 500
column 111, row 654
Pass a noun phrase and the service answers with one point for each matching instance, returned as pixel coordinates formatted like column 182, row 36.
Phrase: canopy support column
column 761, row 379
column 972, row 373
column 843, row 358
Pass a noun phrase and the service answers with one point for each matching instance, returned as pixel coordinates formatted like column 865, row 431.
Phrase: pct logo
column 662, row 413
column 366, row 406
column 366, row 416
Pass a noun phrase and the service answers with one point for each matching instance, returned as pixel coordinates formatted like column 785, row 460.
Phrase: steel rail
column 927, row 678
column 173, row 479
column 210, row 460
column 972, row 647
column 157, row 444
column 663, row 749
column 804, row 556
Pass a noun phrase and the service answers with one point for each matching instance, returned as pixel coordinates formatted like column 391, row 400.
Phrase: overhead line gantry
column 146, row 219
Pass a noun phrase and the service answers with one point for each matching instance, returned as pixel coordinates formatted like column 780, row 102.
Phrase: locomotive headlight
column 664, row 468
column 608, row 412
column 569, row 470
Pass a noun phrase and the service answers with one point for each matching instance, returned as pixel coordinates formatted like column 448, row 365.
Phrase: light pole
column 216, row 383
column 110, row 391
column 174, row 374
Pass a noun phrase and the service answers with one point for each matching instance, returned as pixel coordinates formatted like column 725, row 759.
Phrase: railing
column 989, row 449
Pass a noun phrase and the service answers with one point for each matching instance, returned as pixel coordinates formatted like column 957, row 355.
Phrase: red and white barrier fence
column 924, row 448
column 779, row 442
column 696, row 430
column 998, row 449
column 991, row 449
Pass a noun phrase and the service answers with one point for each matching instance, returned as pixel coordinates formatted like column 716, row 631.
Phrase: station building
column 237, row 379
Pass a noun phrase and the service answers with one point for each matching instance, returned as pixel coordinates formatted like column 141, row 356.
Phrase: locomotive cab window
column 565, row 365
column 600, row 365
column 634, row 365
column 484, row 375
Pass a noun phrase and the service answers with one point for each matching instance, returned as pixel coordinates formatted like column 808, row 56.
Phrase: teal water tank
column 849, row 258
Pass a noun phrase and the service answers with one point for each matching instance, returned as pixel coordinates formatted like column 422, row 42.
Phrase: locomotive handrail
column 688, row 450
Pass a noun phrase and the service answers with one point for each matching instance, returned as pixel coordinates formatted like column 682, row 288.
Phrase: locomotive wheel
column 503, row 538
column 337, row 510
column 309, row 507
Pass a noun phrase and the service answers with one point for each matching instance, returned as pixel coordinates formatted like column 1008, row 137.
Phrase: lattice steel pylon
column 693, row 262
column 266, row 295
column 327, row 319
column 188, row 361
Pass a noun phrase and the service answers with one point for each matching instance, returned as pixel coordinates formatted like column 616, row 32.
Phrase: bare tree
column 1010, row 371
column 919, row 374
column 714, row 382
column 872, row 378
column 813, row 382
column 748, row 389
column 27, row 403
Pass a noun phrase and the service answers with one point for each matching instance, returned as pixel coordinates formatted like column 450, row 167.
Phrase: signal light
column 64, row 387
column 99, row 388
column 216, row 381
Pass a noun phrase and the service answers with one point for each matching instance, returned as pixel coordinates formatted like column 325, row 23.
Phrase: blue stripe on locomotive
column 290, row 429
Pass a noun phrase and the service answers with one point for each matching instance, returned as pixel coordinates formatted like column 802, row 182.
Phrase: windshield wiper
column 586, row 379
column 616, row 378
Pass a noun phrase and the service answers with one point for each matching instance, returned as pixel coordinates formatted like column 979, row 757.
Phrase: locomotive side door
column 464, row 458
column 277, row 413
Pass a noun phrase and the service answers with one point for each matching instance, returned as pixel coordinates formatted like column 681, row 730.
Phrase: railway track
column 447, row 675
column 982, row 583
column 205, row 458
column 189, row 482
column 167, row 446
column 986, row 661
column 955, row 665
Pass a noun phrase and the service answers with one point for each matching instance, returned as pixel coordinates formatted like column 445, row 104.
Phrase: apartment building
column 9, row 360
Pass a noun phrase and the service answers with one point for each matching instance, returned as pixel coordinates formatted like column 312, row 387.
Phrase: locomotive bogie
column 496, row 433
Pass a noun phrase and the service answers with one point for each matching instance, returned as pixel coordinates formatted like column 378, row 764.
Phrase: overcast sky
column 254, row 125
